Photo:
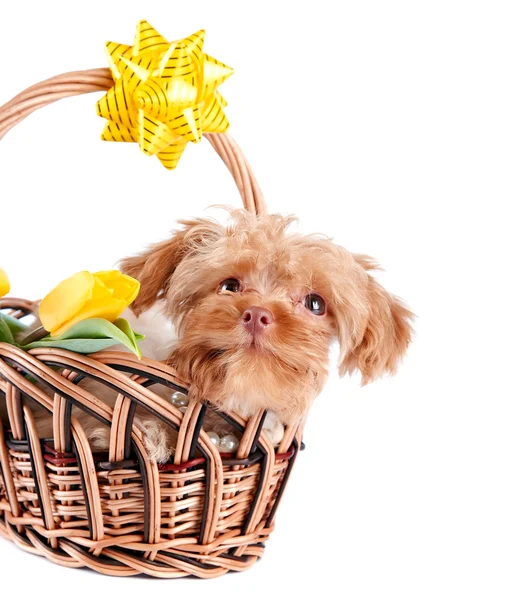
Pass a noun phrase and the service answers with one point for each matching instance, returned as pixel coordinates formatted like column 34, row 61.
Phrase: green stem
column 35, row 336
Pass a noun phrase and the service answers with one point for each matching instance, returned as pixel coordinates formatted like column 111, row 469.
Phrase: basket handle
column 97, row 80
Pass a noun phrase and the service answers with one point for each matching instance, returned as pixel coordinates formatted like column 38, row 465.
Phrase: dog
column 255, row 310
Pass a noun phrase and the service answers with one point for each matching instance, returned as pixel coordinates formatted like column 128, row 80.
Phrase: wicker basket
column 120, row 513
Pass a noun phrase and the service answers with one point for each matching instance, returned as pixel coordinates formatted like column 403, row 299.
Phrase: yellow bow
column 165, row 94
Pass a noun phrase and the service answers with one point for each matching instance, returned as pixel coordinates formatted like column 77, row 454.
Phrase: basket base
column 172, row 563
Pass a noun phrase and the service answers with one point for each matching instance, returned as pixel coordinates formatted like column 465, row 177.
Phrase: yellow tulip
column 5, row 286
column 103, row 295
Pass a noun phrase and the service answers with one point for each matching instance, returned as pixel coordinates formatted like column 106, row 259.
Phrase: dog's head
column 257, row 309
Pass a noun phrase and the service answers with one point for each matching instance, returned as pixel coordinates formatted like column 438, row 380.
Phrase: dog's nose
column 255, row 319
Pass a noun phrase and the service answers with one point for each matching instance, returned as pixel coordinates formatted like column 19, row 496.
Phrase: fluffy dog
column 256, row 309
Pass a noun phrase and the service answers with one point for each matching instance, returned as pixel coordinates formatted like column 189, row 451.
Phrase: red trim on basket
column 182, row 467
column 59, row 462
column 49, row 449
column 61, row 459
column 285, row 455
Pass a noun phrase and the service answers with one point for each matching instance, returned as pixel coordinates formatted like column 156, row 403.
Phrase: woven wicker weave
column 122, row 514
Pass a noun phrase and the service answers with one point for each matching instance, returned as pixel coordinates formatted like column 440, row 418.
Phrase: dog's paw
column 273, row 428
column 157, row 440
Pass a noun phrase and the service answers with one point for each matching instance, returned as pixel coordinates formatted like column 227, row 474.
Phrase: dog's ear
column 383, row 333
column 154, row 267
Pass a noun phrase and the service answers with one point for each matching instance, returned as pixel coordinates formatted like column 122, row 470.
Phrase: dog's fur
column 284, row 368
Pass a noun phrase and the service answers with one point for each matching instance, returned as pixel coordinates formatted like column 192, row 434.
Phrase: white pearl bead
column 183, row 409
column 214, row 438
column 229, row 443
column 179, row 399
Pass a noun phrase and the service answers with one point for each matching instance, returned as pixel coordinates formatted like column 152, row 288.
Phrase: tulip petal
column 5, row 286
column 122, row 286
column 102, row 308
column 100, row 290
column 65, row 301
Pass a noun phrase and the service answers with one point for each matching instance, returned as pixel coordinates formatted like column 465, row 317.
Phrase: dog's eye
column 230, row 285
column 315, row 304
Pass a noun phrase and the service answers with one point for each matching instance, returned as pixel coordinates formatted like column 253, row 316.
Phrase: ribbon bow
column 165, row 94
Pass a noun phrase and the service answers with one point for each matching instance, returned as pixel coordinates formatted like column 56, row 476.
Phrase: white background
column 382, row 124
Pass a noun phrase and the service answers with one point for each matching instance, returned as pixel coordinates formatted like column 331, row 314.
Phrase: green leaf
column 5, row 332
column 81, row 346
column 15, row 325
column 92, row 335
column 133, row 337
